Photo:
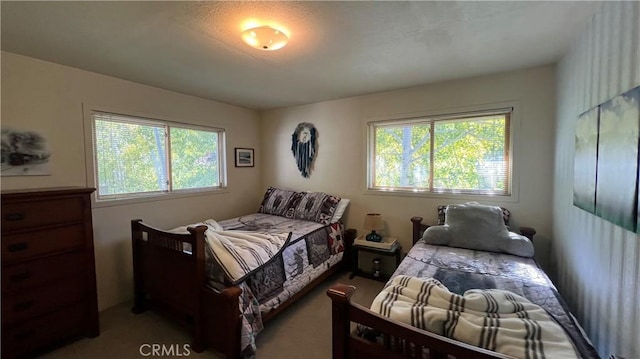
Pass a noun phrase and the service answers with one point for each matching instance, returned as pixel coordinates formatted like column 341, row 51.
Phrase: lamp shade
column 373, row 222
column 265, row 38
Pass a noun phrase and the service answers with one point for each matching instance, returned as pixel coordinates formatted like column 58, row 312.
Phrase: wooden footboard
column 170, row 278
column 399, row 340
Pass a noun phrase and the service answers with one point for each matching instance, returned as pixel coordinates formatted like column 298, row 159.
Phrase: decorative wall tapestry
column 614, row 183
column 303, row 146
column 24, row 153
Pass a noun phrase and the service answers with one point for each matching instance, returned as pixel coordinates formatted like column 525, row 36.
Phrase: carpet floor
column 301, row 331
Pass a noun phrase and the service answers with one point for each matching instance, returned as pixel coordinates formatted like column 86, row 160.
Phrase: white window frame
column 141, row 118
column 514, row 124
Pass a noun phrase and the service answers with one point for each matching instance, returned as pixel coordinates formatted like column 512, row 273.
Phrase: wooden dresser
column 48, row 269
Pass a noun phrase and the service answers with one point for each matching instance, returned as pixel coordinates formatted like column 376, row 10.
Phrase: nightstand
column 394, row 251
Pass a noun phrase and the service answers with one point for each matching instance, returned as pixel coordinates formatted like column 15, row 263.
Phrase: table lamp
column 373, row 222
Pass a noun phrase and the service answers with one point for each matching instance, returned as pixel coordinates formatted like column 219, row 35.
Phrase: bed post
column 528, row 232
column 340, row 295
column 417, row 221
column 139, row 302
column 199, row 340
column 222, row 319
column 233, row 320
column 350, row 235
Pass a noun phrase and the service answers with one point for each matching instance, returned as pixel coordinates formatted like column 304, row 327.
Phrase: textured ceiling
column 336, row 49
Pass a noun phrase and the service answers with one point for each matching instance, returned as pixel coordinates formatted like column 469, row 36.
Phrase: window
column 464, row 153
column 137, row 157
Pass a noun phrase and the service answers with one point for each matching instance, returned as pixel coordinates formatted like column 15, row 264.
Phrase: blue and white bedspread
column 460, row 269
column 303, row 250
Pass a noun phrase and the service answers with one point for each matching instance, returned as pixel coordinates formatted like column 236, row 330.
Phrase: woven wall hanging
column 303, row 146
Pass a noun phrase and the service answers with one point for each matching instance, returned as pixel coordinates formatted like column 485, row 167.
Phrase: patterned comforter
column 462, row 269
column 312, row 249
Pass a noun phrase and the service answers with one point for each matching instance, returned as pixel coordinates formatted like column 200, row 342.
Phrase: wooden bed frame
column 173, row 282
column 399, row 340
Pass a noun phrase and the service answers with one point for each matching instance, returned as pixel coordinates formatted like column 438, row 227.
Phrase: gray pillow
column 475, row 226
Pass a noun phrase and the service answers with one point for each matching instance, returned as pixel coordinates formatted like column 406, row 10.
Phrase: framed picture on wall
column 24, row 153
column 244, row 157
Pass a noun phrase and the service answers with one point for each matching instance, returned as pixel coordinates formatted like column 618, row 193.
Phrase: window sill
column 154, row 198
column 459, row 197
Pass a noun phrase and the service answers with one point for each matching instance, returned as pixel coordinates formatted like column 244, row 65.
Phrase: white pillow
column 476, row 226
column 340, row 208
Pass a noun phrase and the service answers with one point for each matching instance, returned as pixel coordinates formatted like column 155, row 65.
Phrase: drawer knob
column 14, row 216
column 17, row 247
column 23, row 305
column 19, row 277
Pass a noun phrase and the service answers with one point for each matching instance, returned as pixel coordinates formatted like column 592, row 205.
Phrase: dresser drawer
column 48, row 270
column 23, row 215
column 27, row 337
column 42, row 300
column 30, row 244
column 41, row 272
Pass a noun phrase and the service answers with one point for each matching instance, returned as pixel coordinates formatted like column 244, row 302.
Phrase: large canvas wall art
column 616, row 199
column 610, row 190
column 584, row 185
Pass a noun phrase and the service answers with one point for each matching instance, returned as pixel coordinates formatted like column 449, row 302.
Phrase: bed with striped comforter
column 460, row 270
column 271, row 258
column 492, row 319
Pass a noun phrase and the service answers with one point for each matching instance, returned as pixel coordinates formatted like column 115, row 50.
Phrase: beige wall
column 340, row 164
column 596, row 263
column 48, row 98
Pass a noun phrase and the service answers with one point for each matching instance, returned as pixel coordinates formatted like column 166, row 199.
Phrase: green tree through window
column 132, row 156
column 194, row 159
column 451, row 154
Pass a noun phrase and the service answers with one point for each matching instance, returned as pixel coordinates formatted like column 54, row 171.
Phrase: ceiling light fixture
column 265, row 38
